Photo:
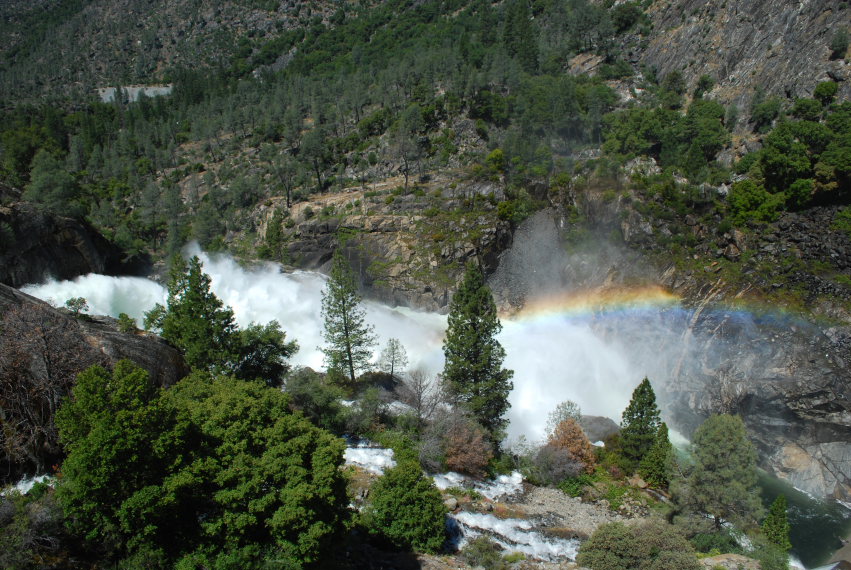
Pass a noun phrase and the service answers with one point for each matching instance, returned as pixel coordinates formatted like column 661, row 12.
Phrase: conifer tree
column 394, row 358
column 723, row 481
column 640, row 423
column 473, row 371
column 657, row 464
column 349, row 339
column 776, row 527
column 195, row 320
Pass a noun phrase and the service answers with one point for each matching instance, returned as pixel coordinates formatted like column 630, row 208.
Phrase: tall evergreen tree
column 776, row 527
column 723, row 481
column 473, row 370
column 349, row 339
column 640, row 423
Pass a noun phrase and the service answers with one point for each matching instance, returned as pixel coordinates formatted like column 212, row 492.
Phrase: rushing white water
column 554, row 359
column 516, row 535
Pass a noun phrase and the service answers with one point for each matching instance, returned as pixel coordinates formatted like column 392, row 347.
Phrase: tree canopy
column 198, row 323
column 212, row 469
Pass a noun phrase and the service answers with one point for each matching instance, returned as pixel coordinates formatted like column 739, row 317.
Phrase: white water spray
column 553, row 359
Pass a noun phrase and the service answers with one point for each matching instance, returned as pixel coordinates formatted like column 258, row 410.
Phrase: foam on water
column 516, row 535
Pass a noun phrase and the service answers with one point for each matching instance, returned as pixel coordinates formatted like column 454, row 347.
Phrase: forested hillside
column 703, row 147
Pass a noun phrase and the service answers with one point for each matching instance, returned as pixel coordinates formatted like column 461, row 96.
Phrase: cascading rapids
column 555, row 356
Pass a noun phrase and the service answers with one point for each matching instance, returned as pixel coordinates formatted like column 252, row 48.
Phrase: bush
column 552, row 465
column 406, row 509
column 653, row 545
column 485, row 553
column 126, row 324
column 569, row 437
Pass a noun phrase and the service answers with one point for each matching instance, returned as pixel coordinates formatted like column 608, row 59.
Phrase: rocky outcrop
column 100, row 334
column 782, row 47
column 406, row 247
column 36, row 245
column 42, row 350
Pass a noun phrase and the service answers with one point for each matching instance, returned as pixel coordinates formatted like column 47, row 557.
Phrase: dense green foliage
column 776, row 527
column 657, row 465
column 640, row 423
column 806, row 159
column 652, row 545
column 723, row 479
column 473, row 371
column 214, row 469
column 349, row 338
column 406, row 509
column 197, row 323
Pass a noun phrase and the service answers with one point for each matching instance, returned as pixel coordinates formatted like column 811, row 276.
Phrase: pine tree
column 640, row 423
column 394, row 358
column 473, row 371
column 776, row 527
column 349, row 339
column 723, row 481
column 657, row 464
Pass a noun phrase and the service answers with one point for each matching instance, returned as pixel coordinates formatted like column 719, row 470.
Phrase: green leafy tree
column 657, row 465
column 407, row 510
column 349, row 339
column 195, row 320
column 640, row 423
column 776, row 527
column 263, row 353
column 53, row 187
column 723, row 480
column 261, row 476
column 394, row 358
column 198, row 323
column 122, row 444
column 473, row 371
column 209, row 471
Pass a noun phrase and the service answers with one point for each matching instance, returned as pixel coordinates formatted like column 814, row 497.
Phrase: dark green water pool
column 818, row 527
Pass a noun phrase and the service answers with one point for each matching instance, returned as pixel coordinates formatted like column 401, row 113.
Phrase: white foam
column 24, row 486
column 517, row 535
column 373, row 459
column 502, row 486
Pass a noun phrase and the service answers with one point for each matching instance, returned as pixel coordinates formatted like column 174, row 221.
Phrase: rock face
column 163, row 362
column 787, row 380
column 36, row 245
column 783, row 47
column 42, row 350
column 406, row 247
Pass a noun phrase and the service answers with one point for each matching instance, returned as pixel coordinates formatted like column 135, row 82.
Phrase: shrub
column 552, row 465
column 406, row 509
column 483, row 552
column 653, row 545
column 468, row 449
column 825, row 92
column 126, row 324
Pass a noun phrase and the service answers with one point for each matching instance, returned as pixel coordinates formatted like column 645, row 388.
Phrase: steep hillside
column 782, row 48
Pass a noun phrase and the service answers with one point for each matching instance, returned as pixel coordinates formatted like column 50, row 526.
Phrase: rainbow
column 597, row 301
